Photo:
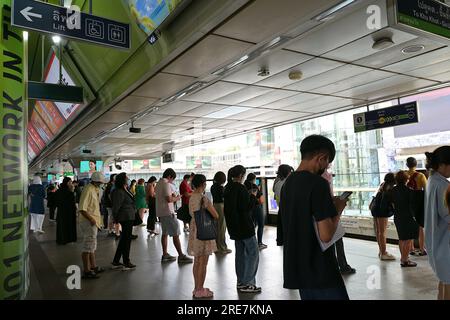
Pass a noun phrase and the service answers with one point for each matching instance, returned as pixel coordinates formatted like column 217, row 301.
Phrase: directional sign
column 389, row 117
column 48, row 18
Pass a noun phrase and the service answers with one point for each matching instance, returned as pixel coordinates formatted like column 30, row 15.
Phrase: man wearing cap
column 90, row 222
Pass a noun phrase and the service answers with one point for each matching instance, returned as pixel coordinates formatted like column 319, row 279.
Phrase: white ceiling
column 339, row 66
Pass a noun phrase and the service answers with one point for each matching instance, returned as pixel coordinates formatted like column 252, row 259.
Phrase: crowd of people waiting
column 309, row 215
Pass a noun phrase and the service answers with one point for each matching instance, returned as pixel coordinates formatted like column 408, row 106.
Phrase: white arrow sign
column 27, row 14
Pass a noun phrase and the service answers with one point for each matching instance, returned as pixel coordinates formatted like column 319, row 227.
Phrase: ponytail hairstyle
column 440, row 156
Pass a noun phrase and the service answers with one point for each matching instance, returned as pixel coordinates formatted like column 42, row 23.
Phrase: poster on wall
column 50, row 115
column 52, row 76
column 41, row 127
column 35, row 136
column 203, row 162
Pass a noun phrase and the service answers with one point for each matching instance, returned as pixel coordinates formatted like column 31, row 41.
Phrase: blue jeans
column 324, row 294
column 258, row 218
column 247, row 260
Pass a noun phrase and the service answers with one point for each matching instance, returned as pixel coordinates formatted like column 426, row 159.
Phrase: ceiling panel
column 394, row 54
column 243, row 95
column 309, row 69
column 354, row 81
column 338, row 32
column 326, row 107
column 134, row 104
column 443, row 77
column 420, row 60
column 182, row 122
column 390, row 86
column 310, row 105
column 268, row 98
column 204, row 109
column 298, row 98
column 268, row 17
column 207, row 56
column 328, row 77
column 250, row 114
column 152, row 120
column 363, row 47
column 279, row 116
column 274, row 62
column 215, row 91
column 222, row 123
column 163, row 85
column 431, row 71
column 177, row 108
column 115, row 117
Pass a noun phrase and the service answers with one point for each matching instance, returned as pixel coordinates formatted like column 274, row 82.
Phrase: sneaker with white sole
column 185, row 259
column 250, row 289
column 168, row 258
column 387, row 257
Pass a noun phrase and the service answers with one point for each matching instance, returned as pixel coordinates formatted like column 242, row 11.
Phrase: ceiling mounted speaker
column 382, row 44
column 295, row 75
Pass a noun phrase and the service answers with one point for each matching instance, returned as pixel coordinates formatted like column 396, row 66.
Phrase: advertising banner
column 14, row 268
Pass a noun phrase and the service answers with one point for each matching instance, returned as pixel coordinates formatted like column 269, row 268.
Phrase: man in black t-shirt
column 305, row 200
column 238, row 207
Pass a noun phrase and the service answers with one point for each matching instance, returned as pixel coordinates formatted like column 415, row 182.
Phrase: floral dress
column 198, row 247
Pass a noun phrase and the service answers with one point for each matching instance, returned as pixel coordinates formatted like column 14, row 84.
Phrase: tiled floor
column 153, row 280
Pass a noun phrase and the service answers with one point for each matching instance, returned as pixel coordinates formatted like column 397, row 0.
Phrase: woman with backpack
column 381, row 208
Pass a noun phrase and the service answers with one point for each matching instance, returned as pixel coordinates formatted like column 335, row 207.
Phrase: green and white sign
column 14, row 271
column 426, row 15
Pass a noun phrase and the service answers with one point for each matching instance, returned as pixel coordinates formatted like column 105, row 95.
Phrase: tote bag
column 205, row 223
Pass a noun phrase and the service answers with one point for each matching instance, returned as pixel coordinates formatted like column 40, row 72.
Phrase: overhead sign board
column 424, row 16
column 48, row 18
column 388, row 117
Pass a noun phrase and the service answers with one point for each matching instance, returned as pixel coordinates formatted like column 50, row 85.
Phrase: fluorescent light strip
column 333, row 10
column 231, row 65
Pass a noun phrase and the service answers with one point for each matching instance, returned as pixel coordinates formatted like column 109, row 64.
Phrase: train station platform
column 153, row 280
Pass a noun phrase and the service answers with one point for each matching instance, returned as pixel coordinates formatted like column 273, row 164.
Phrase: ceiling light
column 56, row 39
column 25, row 36
column 382, row 44
column 326, row 15
column 413, row 49
column 295, row 75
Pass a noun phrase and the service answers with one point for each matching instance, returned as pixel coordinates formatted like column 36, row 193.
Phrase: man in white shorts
column 168, row 219
column 90, row 222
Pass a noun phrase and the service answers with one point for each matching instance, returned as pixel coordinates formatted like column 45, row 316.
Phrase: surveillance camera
column 86, row 151
column 135, row 130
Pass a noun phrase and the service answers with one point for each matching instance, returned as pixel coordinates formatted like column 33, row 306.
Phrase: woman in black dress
column 66, row 219
column 407, row 227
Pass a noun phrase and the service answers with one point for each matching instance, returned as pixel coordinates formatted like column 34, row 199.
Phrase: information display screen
column 150, row 14
column 91, row 166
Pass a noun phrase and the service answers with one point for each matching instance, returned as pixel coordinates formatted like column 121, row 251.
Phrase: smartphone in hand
column 345, row 195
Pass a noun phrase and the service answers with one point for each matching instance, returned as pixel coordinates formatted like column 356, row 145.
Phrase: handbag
column 205, row 223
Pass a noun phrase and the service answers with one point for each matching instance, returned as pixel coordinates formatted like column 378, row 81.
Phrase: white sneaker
column 387, row 257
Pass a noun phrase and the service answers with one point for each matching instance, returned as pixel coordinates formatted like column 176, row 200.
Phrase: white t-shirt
column 163, row 190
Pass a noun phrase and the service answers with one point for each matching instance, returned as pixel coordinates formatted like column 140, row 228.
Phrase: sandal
column 202, row 293
column 423, row 253
column 408, row 264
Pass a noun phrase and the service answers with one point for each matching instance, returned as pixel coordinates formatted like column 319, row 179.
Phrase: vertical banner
column 14, row 271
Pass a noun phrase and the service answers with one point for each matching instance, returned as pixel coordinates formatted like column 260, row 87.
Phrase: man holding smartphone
column 306, row 199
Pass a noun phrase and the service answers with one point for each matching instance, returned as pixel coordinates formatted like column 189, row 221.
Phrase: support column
column 14, row 270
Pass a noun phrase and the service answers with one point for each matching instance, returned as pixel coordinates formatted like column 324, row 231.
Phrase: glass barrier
column 358, row 204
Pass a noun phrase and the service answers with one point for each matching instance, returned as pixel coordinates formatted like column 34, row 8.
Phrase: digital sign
column 150, row 14
column 91, row 166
